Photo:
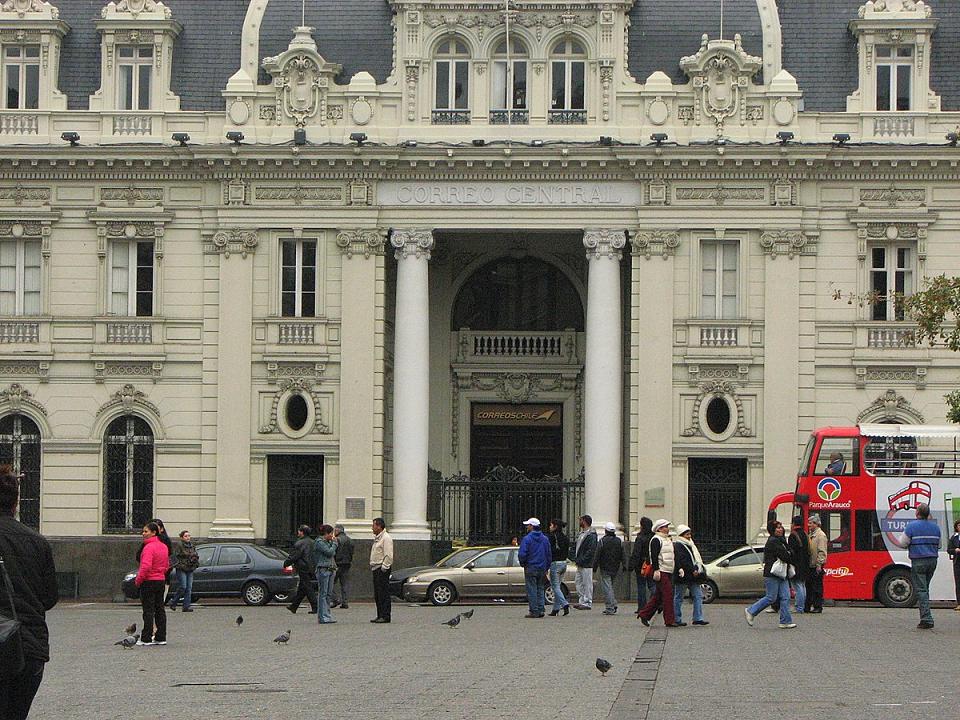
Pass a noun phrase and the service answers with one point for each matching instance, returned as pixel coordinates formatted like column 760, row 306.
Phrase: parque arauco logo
column 829, row 489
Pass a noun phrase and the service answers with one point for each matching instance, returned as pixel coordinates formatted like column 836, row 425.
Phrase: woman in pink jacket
column 154, row 562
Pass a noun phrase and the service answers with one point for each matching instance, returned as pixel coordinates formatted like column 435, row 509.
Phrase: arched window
column 452, row 84
column 524, row 294
column 568, row 64
column 127, row 474
column 20, row 449
column 508, row 91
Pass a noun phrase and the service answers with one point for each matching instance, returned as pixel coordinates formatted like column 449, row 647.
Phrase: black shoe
column 925, row 626
column 188, row 609
column 700, row 622
column 680, row 624
column 334, row 605
column 311, row 612
column 816, row 610
column 344, row 607
column 380, row 621
column 554, row 613
column 645, row 622
column 566, row 609
column 292, row 609
column 173, row 608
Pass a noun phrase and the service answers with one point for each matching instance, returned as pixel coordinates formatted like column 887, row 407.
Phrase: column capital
column 786, row 242
column 237, row 240
column 369, row 241
column 412, row 242
column 604, row 243
column 659, row 242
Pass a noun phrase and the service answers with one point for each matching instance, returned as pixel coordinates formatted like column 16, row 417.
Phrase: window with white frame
column 894, row 68
column 131, row 278
column 135, row 68
column 298, row 278
column 891, row 279
column 20, row 277
column 509, row 77
column 21, row 77
column 719, row 279
column 452, row 86
column 568, row 68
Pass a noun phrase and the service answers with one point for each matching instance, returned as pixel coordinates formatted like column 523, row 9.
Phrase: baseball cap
column 532, row 521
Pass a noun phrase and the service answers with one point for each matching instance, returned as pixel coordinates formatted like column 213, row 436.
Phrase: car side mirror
column 723, row 563
column 470, row 566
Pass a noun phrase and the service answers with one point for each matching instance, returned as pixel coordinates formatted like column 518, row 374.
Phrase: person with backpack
column 640, row 557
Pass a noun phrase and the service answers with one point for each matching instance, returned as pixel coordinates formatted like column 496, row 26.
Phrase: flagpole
column 721, row 19
column 508, row 91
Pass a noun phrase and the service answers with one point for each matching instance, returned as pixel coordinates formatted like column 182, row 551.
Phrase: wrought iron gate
column 490, row 509
column 294, row 495
column 717, row 504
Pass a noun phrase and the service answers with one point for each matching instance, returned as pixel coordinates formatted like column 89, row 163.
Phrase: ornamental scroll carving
column 914, row 7
column 368, row 242
column 299, row 386
column 418, row 243
column 720, row 389
column 783, row 242
column 891, row 407
column 301, row 79
column 241, row 241
column 131, row 400
column 22, row 7
column 656, row 242
column 137, row 8
column 16, row 397
column 604, row 243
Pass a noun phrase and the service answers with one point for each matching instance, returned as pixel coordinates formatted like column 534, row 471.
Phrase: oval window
column 718, row 416
column 297, row 412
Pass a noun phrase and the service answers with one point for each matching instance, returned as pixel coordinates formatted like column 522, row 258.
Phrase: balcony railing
column 509, row 117
column 296, row 334
column 894, row 126
column 130, row 333
column 19, row 332
column 450, row 117
column 19, row 124
column 133, row 125
column 543, row 347
column 567, row 117
column 719, row 336
column 899, row 337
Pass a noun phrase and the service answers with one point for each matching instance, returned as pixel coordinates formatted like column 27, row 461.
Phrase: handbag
column 646, row 570
column 11, row 642
column 779, row 569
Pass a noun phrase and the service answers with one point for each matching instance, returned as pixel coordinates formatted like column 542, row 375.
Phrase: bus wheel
column 895, row 588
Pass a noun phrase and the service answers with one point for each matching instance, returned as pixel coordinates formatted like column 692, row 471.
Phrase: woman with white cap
column 662, row 560
column 688, row 573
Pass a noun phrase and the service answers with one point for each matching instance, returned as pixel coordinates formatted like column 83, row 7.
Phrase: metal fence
column 490, row 509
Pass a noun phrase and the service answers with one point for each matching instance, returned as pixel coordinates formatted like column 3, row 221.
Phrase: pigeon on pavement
column 603, row 666
column 283, row 638
column 131, row 629
column 239, row 620
column 453, row 622
column 468, row 614
column 129, row 641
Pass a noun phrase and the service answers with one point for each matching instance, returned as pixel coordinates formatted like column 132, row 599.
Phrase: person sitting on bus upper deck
column 836, row 466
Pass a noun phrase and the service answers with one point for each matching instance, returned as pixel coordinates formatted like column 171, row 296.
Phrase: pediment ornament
column 130, row 399
column 891, row 407
column 912, row 7
column 22, row 7
column 16, row 397
column 301, row 79
column 136, row 8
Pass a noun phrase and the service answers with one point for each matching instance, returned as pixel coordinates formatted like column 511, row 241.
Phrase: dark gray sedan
column 254, row 573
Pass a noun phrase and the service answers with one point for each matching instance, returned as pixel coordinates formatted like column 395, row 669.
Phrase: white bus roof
column 935, row 431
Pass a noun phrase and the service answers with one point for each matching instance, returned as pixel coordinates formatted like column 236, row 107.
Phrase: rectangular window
column 20, row 277
column 719, row 279
column 134, row 72
column 298, row 278
column 131, row 279
column 21, row 77
column 453, row 83
column 838, row 456
column 868, row 534
column 894, row 69
column 517, row 99
column 568, row 85
column 891, row 279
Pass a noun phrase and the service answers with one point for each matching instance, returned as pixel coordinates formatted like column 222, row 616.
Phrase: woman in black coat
column 953, row 550
column 560, row 550
column 639, row 556
column 777, row 588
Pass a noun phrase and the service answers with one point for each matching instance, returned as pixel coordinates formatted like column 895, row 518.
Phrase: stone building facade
column 267, row 262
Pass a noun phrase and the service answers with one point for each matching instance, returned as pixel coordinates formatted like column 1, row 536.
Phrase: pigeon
column 468, row 614
column 603, row 666
column 453, row 622
column 131, row 629
column 239, row 620
column 283, row 638
column 129, row 641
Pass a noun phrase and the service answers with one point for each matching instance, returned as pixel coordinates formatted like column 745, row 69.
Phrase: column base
column 231, row 529
column 409, row 531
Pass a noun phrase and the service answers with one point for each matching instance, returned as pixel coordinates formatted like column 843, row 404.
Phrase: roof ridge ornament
column 136, row 8
column 24, row 7
column 915, row 8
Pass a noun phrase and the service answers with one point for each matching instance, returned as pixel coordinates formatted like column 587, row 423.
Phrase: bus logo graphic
column 829, row 489
column 910, row 497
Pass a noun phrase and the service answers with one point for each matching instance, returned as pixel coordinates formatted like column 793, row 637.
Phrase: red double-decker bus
column 865, row 483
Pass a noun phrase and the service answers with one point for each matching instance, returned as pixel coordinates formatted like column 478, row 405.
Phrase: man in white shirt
column 381, row 559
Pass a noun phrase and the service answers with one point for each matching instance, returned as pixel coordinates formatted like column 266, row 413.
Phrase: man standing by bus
column 818, row 558
column 922, row 539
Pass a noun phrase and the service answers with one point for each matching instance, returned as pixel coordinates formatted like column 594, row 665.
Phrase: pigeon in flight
column 603, row 666
column 468, row 614
column 283, row 638
column 129, row 641
column 453, row 622
column 131, row 629
column 239, row 620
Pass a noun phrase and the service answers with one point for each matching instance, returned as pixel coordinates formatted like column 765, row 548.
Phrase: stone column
column 232, row 518
column 411, row 392
column 603, row 386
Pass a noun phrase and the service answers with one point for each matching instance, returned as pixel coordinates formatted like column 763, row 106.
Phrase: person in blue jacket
column 535, row 555
column 922, row 539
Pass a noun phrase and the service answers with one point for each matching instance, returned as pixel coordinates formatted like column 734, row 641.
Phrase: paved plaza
column 847, row 663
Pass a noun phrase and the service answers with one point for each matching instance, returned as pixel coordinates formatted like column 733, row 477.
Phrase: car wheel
column 710, row 591
column 281, row 597
column 548, row 596
column 895, row 588
column 255, row 593
column 441, row 593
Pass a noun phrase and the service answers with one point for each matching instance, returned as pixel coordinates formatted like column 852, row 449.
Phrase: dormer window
column 21, row 75
column 508, row 92
column 30, row 37
column 135, row 68
column 452, row 84
column 894, row 70
column 568, row 71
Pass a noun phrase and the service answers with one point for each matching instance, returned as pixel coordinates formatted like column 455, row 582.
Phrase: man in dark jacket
column 28, row 560
column 344, row 560
column 639, row 556
column 799, row 551
column 535, row 556
column 609, row 560
column 301, row 558
column 584, row 553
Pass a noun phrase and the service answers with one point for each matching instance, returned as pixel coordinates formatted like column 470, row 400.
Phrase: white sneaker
column 162, row 642
column 786, row 626
column 141, row 643
column 749, row 617
column 769, row 610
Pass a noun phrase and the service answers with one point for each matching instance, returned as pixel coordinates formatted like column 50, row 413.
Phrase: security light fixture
column 479, row 142
column 606, row 140
column 358, row 137
column 182, row 138
column 299, row 136
column 841, row 138
column 784, row 136
column 71, row 137
column 952, row 138
column 536, row 143
column 235, row 136
column 659, row 138
column 410, row 143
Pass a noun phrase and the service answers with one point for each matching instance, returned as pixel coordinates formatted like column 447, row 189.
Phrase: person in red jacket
column 154, row 563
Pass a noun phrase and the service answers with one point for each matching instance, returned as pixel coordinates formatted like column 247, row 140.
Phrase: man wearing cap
column 818, row 558
column 610, row 558
column 584, row 553
column 662, row 560
column 535, row 555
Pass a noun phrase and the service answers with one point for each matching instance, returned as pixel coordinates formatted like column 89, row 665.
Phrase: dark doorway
column 526, row 437
column 717, row 504
column 294, row 495
column 20, row 448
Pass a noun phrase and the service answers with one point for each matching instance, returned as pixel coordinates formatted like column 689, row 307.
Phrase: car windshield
column 458, row 557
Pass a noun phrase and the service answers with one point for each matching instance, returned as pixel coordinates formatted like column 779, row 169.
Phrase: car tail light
column 288, row 570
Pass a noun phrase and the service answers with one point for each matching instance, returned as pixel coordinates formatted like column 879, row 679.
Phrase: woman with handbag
column 661, row 565
column 639, row 558
column 154, row 564
column 688, row 574
column 777, row 570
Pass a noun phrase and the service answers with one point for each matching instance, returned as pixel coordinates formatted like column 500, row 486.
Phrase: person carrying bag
column 11, row 642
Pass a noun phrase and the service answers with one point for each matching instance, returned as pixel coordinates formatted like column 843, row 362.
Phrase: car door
column 233, row 566
column 487, row 574
column 203, row 576
column 518, row 584
column 744, row 573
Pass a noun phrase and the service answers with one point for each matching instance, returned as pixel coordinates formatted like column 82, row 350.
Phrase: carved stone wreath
column 708, row 391
column 295, row 385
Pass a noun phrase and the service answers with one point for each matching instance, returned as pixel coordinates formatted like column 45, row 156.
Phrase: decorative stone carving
column 131, row 400
column 309, row 372
column 369, row 242
column 22, row 7
column 783, row 242
column 232, row 241
column 657, row 111
column 891, row 407
column 412, row 242
column 20, row 194
column 295, row 385
column 131, row 194
column 877, row 7
column 136, row 8
column 301, row 79
column 893, row 195
column 720, row 194
column 299, row 194
column 659, row 242
column 604, row 243
column 16, row 397
column 721, row 389
column 235, row 192
column 720, row 73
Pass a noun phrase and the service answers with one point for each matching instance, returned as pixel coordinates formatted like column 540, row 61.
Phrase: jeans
column 341, row 579
column 536, row 587
column 644, row 591
column 185, row 580
column 151, row 600
column 324, row 583
column 662, row 598
column 921, row 571
column 17, row 691
column 381, row 592
column 585, row 586
column 696, row 594
column 606, row 586
column 556, row 572
column 800, row 593
column 776, row 589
